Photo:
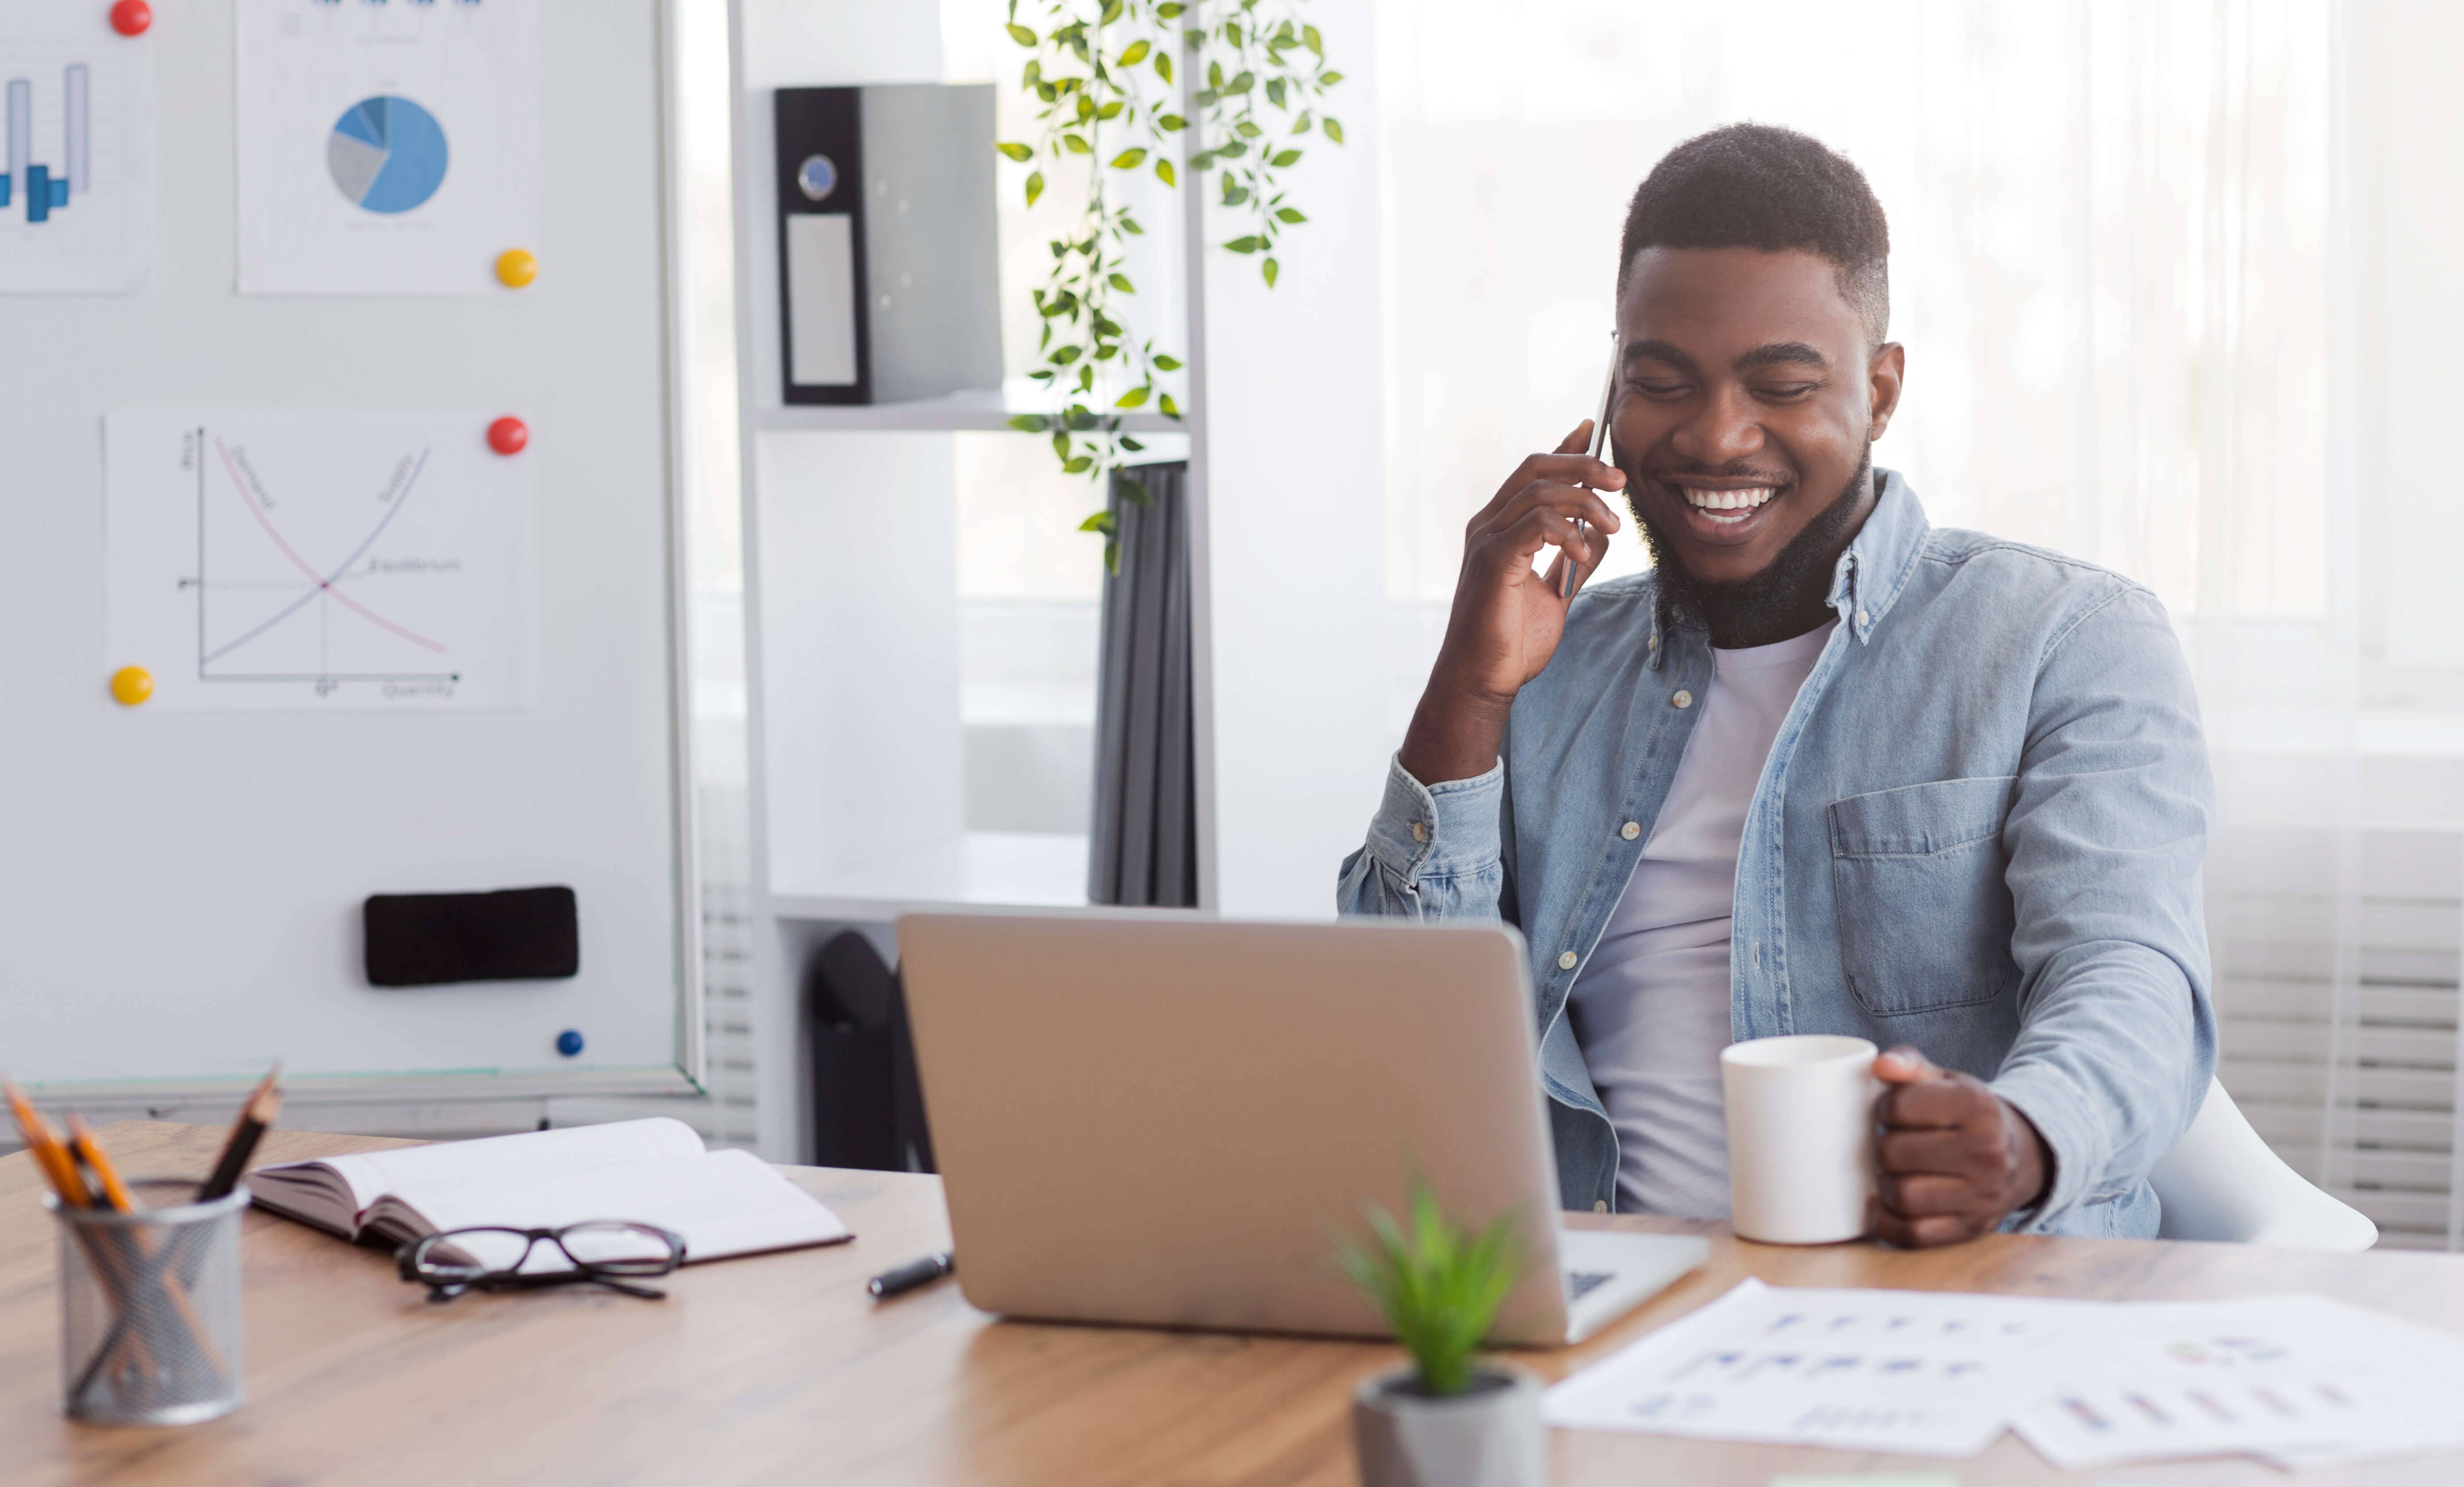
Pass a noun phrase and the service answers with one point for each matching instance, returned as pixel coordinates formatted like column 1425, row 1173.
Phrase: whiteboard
column 180, row 889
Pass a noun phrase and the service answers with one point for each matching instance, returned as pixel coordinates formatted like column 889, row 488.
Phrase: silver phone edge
column 1597, row 450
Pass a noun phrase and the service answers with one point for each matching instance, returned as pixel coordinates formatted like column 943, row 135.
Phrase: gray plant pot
column 1489, row 1436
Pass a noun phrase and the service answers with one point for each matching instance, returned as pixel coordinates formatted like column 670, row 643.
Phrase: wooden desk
column 779, row 1368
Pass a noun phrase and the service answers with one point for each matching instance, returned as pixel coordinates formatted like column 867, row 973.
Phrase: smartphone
column 1599, row 450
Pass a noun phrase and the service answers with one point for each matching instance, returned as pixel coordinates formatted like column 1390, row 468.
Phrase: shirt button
column 1420, row 831
column 1565, row 961
column 1684, row 699
column 1600, row 1207
column 1630, row 830
column 1862, row 618
column 1654, row 643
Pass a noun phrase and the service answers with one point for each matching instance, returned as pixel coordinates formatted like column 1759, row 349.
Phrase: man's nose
column 1727, row 428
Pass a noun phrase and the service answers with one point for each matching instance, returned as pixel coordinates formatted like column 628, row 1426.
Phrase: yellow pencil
column 48, row 1154
column 87, row 1148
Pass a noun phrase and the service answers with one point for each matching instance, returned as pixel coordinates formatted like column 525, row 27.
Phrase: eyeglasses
column 603, row 1252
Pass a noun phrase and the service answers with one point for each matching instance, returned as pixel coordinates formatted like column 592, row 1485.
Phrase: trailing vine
column 1093, row 62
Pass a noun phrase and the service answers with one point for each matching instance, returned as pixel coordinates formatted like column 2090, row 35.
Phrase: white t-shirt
column 1651, row 1008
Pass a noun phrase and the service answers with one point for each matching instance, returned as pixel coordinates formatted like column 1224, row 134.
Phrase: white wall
column 2403, row 75
column 829, row 43
column 1295, row 557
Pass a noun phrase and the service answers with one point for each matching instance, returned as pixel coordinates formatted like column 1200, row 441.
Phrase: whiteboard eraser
column 434, row 939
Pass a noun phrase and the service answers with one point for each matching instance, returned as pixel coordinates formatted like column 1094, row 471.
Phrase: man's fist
column 1506, row 619
column 1955, row 1158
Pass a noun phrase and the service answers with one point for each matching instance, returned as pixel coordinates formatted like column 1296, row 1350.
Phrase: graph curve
column 324, row 581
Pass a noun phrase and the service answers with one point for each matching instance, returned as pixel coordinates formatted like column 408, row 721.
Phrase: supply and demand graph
column 280, row 560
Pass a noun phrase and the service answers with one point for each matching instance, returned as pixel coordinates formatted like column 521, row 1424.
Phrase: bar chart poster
column 77, row 195
column 386, row 148
column 317, row 561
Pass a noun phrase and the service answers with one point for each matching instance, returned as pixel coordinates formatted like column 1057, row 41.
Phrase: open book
column 653, row 1171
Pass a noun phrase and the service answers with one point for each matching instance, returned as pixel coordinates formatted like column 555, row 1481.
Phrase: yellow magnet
column 132, row 685
column 517, row 267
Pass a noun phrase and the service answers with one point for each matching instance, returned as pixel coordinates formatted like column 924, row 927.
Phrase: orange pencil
column 88, row 1150
column 48, row 1154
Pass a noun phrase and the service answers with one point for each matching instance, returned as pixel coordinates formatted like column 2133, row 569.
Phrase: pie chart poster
column 386, row 149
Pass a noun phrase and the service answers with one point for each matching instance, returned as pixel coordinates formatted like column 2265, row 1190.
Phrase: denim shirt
column 1979, row 832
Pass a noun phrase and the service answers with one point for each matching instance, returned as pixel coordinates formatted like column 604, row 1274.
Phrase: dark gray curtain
column 1144, row 847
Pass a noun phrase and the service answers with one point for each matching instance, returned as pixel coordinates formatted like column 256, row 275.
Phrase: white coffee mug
column 1800, row 1137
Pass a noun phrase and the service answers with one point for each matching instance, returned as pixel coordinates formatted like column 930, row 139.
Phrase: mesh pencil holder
column 149, row 1307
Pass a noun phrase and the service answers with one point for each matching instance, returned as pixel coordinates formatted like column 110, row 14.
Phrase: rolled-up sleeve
column 2106, row 838
column 1433, row 850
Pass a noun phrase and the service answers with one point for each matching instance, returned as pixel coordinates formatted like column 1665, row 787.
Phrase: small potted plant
column 1448, row 1418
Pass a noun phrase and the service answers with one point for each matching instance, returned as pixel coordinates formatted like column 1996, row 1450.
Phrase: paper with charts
column 76, row 104
column 386, row 148
column 318, row 560
column 2299, row 1381
column 1906, row 1371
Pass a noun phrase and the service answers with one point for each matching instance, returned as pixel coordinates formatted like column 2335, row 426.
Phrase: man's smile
column 1723, row 510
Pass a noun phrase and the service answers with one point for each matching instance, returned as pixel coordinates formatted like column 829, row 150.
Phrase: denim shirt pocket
column 1925, row 915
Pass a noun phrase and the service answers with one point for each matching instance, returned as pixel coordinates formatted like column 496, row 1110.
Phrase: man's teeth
column 1712, row 504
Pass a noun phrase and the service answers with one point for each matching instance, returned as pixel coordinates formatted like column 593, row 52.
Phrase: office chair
column 2222, row 1182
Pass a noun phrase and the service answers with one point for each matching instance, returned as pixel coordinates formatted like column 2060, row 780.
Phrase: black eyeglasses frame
column 414, row 1262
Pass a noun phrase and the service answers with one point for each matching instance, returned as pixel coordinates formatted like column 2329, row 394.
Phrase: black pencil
column 253, row 1118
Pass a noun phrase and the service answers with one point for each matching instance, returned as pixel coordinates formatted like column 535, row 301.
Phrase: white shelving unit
column 985, row 412
column 896, row 727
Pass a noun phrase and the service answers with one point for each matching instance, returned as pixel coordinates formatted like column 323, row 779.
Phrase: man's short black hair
column 1758, row 185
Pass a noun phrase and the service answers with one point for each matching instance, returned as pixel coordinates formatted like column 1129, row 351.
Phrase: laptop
column 1169, row 1120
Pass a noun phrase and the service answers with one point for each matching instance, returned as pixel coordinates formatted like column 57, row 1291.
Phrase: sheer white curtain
column 2141, row 261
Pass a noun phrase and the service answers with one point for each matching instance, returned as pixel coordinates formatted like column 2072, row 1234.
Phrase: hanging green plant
column 1093, row 62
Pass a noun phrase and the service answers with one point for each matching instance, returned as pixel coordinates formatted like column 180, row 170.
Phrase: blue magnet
column 568, row 1043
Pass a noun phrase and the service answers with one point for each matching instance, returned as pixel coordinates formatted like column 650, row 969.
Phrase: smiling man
column 1824, row 769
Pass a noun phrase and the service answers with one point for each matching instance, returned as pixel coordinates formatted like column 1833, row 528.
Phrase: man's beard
column 1783, row 601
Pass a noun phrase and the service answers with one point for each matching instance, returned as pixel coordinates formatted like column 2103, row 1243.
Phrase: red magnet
column 508, row 435
column 131, row 17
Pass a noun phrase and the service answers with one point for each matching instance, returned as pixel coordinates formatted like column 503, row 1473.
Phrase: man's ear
column 1884, row 372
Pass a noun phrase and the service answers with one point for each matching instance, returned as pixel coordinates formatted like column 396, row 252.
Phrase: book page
column 369, row 1176
column 722, row 1202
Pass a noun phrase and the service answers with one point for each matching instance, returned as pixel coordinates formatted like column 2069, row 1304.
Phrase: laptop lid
column 1172, row 1121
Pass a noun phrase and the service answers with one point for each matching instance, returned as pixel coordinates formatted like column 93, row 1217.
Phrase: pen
column 910, row 1275
column 1599, row 450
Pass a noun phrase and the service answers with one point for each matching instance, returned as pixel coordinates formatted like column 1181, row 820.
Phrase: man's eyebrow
column 1782, row 353
column 1659, row 351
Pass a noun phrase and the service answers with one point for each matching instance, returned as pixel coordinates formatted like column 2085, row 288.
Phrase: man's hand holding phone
column 1506, row 619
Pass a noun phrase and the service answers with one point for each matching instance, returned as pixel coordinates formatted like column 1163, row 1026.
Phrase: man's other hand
column 1956, row 1159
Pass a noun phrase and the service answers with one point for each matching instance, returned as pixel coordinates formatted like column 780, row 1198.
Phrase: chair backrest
column 2222, row 1182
